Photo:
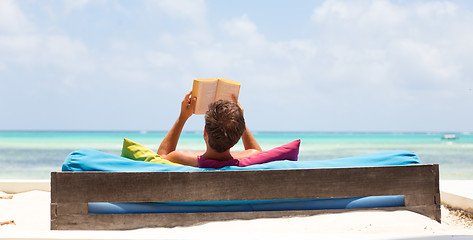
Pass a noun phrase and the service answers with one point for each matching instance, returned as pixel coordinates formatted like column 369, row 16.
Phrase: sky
column 378, row 66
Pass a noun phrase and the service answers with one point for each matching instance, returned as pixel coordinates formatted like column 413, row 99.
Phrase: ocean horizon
column 34, row 154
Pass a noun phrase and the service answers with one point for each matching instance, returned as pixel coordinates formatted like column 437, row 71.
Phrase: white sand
column 457, row 194
column 30, row 211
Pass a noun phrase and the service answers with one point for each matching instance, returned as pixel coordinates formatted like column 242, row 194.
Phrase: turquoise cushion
column 92, row 160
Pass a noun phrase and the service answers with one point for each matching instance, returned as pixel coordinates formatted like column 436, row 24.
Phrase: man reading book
column 224, row 126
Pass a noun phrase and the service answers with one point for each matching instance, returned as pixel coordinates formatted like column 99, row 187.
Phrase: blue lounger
column 97, row 190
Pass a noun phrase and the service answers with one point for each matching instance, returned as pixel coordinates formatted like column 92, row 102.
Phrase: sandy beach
column 30, row 212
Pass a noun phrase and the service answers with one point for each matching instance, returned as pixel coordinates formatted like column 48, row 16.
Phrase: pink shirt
column 210, row 163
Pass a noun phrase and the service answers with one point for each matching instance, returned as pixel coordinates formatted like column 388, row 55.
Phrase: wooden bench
column 72, row 191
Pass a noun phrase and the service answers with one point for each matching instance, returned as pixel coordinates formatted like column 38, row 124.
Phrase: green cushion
column 136, row 151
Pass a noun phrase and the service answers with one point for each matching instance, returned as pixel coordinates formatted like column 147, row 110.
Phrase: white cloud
column 189, row 15
column 26, row 44
column 71, row 5
column 295, row 50
column 40, row 49
column 194, row 10
column 332, row 9
column 359, row 12
column 12, row 18
column 243, row 29
column 428, row 58
column 433, row 9
column 243, row 53
column 71, row 54
column 413, row 42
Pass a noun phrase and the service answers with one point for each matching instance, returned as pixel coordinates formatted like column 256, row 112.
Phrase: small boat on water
column 449, row 136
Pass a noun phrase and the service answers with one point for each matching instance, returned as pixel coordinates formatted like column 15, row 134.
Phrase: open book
column 210, row 90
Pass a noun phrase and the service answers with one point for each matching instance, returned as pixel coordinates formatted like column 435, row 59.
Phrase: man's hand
column 187, row 106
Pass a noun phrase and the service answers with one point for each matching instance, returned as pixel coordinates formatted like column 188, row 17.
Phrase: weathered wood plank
column 53, row 211
column 233, row 185
column 71, row 192
column 419, row 199
column 72, row 208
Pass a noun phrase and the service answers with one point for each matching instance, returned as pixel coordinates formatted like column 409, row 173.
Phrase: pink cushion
column 288, row 151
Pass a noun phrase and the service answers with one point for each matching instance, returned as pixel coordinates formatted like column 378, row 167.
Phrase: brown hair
column 224, row 124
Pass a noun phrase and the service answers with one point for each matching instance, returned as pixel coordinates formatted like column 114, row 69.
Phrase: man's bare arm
column 169, row 142
column 184, row 157
column 171, row 139
column 251, row 146
column 249, row 142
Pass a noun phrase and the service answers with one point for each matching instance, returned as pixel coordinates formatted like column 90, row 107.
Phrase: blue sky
column 304, row 65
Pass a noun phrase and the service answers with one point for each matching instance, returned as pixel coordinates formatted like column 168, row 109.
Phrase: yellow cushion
column 136, row 151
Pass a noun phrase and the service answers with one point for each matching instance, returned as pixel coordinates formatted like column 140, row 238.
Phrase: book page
column 204, row 90
column 226, row 88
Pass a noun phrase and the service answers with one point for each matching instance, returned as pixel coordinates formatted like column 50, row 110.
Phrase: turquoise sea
column 34, row 154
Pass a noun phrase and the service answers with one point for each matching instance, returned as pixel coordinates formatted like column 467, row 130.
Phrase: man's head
column 224, row 124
